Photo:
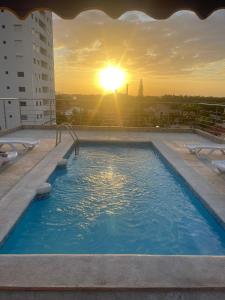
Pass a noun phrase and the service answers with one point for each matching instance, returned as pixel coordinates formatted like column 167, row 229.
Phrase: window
column 47, row 112
column 44, row 76
column 6, row 72
column 23, row 103
column 5, row 57
column 8, row 87
column 20, row 74
column 19, row 58
column 43, row 51
column 10, row 116
column 4, row 42
column 45, row 89
column 3, row 26
column 24, row 117
column 18, row 27
column 22, row 89
column 42, row 38
column 44, row 64
column 9, row 102
column 2, row 10
column 45, row 102
column 42, row 24
column 36, row 103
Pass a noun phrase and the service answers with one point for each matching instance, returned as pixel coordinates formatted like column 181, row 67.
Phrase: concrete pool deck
column 150, row 275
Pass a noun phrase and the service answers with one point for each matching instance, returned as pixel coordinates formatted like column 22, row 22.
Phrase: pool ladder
column 69, row 128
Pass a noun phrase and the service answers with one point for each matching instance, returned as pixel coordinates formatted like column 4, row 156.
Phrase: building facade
column 9, row 113
column 27, row 67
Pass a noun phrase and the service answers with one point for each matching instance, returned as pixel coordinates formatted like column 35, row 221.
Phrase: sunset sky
column 180, row 55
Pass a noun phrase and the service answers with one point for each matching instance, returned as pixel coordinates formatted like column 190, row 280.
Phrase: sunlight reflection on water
column 117, row 199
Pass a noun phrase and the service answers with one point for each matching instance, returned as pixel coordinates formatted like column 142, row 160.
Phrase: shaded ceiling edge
column 70, row 14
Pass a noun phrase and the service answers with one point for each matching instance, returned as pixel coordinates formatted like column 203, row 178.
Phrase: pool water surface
column 117, row 199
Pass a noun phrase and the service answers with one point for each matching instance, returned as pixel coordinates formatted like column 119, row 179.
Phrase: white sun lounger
column 219, row 165
column 197, row 148
column 6, row 157
column 27, row 143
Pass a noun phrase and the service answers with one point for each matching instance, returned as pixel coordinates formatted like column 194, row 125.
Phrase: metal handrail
column 72, row 133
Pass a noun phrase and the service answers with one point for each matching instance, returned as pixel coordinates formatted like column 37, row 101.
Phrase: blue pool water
column 117, row 198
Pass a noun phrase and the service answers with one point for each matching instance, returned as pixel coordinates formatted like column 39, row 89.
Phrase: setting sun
column 111, row 78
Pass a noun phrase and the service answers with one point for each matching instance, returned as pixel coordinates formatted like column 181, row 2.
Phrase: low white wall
column 115, row 128
column 209, row 136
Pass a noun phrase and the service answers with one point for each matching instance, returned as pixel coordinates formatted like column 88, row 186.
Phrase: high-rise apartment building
column 27, row 66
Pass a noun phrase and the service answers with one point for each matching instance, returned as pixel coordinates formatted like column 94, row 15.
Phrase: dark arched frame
column 158, row 9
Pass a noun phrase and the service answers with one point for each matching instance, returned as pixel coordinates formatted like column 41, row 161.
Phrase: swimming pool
column 117, row 198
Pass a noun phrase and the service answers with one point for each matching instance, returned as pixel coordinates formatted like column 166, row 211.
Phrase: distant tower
column 141, row 89
column 127, row 89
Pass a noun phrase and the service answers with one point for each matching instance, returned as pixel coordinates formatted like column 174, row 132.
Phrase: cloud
column 180, row 46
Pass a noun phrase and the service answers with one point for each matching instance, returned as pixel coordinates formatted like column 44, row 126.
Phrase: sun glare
column 112, row 78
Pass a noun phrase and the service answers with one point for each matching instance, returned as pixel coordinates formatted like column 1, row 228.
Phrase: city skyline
column 181, row 55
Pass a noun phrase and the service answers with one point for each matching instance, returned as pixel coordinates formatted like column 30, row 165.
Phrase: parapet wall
column 115, row 128
column 205, row 134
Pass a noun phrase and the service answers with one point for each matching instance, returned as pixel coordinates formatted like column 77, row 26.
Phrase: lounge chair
column 219, row 165
column 196, row 148
column 6, row 157
column 27, row 143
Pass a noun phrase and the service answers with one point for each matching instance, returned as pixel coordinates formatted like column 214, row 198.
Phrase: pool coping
column 106, row 271
column 212, row 200
column 75, row 272
column 24, row 191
